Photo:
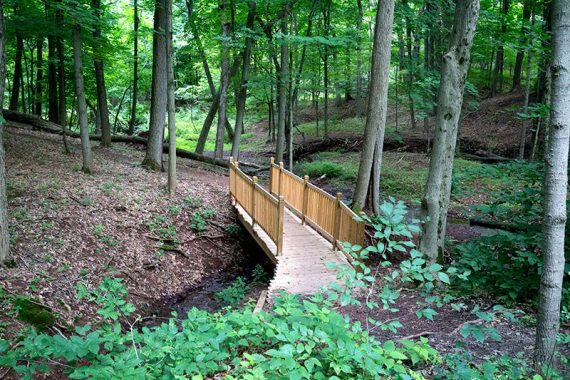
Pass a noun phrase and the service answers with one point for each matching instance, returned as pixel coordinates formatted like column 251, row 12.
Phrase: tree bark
column 39, row 76
column 53, row 104
column 520, row 53
column 242, row 93
column 359, row 78
column 555, row 189
column 135, row 94
column 282, row 92
column 4, row 235
column 17, row 78
column 435, row 201
column 224, row 80
column 81, row 102
column 526, row 122
column 102, row 106
column 170, row 101
column 153, row 156
column 62, row 100
column 499, row 57
column 371, row 156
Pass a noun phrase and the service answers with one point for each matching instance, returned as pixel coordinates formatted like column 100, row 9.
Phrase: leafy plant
column 233, row 294
column 259, row 274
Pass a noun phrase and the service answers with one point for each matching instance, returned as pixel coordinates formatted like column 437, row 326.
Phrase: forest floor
column 69, row 228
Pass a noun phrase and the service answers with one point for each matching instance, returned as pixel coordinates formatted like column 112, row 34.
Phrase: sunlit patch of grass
column 354, row 125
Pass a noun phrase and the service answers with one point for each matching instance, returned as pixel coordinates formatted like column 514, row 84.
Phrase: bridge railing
column 265, row 210
column 327, row 214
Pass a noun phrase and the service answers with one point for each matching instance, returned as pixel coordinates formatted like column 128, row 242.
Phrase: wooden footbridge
column 298, row 225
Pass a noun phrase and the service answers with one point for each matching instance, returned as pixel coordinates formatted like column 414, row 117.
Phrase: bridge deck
column 300, row 269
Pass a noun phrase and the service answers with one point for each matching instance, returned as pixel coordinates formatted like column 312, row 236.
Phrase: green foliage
column 192, row 202
column 234, row 229
column 331, row 170
column 110, row 296
column 506, row 265
column 259, row 274
column 233, row 294
column 298, row 339
column 460, row 365
column 199, row 218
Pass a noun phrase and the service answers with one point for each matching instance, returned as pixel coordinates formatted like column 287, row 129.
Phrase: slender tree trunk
column 53, row 104
column 224, row 81
column 371, row 156
column 118, row 111
column 39, row 77
column 555, row 189
column 359, row 78
column 4, row 235
column 81, row 102
column 282, row 93
column 62, row 100
column 242, row 93
column 133, row 118
column 17, row 78
column 102, row 106
column 526, row 123
column 171, row 102
column 496, row 82
column 520, row 53
column 153, row 157
column 435, row 201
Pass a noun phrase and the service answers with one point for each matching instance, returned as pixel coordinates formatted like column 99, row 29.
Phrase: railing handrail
column 274, row 231
column 335, row 232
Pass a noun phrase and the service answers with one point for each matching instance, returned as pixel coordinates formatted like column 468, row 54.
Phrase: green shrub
column 233, row 294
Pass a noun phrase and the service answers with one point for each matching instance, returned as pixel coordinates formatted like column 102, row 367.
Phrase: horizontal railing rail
column 324, row 212
column 264, row 209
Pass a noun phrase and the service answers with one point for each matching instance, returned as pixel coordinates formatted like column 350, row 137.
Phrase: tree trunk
column 153, row 157
column 81, row 102
column 39, row 77
column 170, row 101
column 435, row 201
column 17, row 78
column 135, row 94
column 282, row 92
column 53, row 104
column 496, row 82
column 102, row 106
column 359, row 78
column 62, row 102
column 555, row 189
column 520, row 53
column 371, row 156
column 242, row 93
column 527, row 121
column 224, row 81
column 4, row 235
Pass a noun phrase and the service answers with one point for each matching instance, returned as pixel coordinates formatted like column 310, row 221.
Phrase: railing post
column 305, row 198
column 280, row 218
column 336, row 226
column 271, row 162
column 254, row 187
column 232, row 180
column 280, row 189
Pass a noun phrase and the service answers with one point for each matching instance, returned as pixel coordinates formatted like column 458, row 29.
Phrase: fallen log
column 49, row 127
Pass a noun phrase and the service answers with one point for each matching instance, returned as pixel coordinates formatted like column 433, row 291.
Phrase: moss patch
column 33, row 312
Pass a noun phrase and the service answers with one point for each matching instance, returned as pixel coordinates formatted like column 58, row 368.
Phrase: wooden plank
column 260, row 302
